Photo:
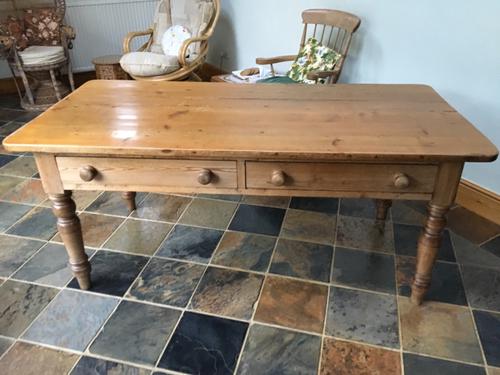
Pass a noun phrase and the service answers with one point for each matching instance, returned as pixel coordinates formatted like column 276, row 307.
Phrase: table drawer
column 141, row 174
column 341, row 177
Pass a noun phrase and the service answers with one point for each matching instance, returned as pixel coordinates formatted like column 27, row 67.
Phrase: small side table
column 108, row 67
column 228, row 78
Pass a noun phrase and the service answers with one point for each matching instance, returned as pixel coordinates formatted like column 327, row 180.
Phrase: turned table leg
column 383, row 206
column 70, row 230
column 445, row 191
column 129, row 198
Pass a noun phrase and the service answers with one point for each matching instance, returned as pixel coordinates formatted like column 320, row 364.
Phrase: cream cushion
column 42, row 55
column 173, row 39
column 148, row 64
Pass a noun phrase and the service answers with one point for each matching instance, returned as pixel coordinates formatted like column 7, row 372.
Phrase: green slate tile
column 10, row 213
column 38, row 223
column 14, row 252
column 209, row 213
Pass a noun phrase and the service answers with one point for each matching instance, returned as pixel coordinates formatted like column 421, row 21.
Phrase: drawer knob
column 205, row 177
column 401, row 181
column 88, row 173
column 278, row 178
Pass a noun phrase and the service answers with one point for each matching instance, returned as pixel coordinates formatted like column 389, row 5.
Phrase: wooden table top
column 198, row 120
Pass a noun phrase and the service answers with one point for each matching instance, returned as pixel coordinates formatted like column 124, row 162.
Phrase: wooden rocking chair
column 332, row 28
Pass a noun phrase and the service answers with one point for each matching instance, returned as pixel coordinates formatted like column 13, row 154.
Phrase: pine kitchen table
column 374, row 141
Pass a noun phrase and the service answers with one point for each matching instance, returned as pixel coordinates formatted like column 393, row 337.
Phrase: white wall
column 453, row 45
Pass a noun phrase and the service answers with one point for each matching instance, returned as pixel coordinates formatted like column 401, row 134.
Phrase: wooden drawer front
column 341, row 177
column 142, row 173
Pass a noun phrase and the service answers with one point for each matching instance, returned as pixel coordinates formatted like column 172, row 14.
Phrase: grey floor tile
column 7, row 183
column 263, row 200
column 258, row 219
column 363, row 269
column 162, row 207
column 363, row 316
column 111, row 203
column 403, row 214
column 138, row 237
column 488, row 328
column 136, row 333
column 20, row 304
column 113, row 273
column 24, row 166
column 227, row 292
column 14, row 251
column 38, row 223
column 5, row 344
column 30, row 191
column 245, row 251
column 471, row 254
column 167, row 282
column 49, row 266
column 190, row 243
column 271, row 350
column 325, row 205
column 309, row 226
column 304, row 260
column 10, row 213
column 209, row 213
column 71, row 320
column 415, row 364
column 365, row 234
column 96, row 366
column 482, row 287
column 365, row 208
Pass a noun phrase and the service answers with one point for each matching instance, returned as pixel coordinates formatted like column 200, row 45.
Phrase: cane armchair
column 179, row 12
column 332, row 28
column 37, row 55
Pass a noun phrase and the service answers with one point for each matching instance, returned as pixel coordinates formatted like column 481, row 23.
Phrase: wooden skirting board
column 479, row 200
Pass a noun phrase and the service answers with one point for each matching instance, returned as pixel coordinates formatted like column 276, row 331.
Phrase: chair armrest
column 185, row 46
column 134, row 34
column 334, row 74
column 274, row 60
column 6, row 43
column 68, row 32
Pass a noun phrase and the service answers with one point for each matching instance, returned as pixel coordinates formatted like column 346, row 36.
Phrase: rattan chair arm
column 274, row 60
column 134, row 34
column 185, row 46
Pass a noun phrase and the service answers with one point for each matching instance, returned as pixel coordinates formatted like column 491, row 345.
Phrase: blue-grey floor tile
column 14, row 251
column 111, row 203
column 302, row 259
column 482, row 286
column 363, row 269
column 136, row 333
column 271, row 350
column 10, row 213
column 358, row 208
column 258, row 219
column 365, row 234
column 38, row 223
column 493, row 246
column 5, row 344
column 415, row 364
column 406, row 240
column 363, row 316
column 468, row 253
column 162, row 207
column 96, row 366
column 488, row 327
column 49, row 266
column 113, row 273
column 167, row 282
column 20, row 304
column 244, row 250
column 325, row 205
column 204, row 344
column 72, row 320
column 190, row 243
column 6, row 159
column 446, row 285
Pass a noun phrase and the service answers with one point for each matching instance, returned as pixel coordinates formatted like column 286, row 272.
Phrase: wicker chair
column 332, row 28
column 197, row 44
column 37, row 64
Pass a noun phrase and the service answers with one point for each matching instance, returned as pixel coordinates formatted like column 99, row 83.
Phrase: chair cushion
column 173, row 39
column 42, row 55
column 314, row 57
column 148, row 64
column 43, row 26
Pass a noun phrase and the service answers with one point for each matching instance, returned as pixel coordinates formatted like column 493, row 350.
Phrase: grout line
column 488, row 240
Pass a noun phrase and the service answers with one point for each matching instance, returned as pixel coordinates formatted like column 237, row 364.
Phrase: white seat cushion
column 148, row 64
column 41, row 55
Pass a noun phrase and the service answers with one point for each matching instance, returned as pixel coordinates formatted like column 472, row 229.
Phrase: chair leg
column 129, row 198
column 54, row 83
column 383, row 206
column 27, row 87
column 71, row 77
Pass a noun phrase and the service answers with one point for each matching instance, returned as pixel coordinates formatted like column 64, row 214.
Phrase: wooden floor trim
column 479, row 200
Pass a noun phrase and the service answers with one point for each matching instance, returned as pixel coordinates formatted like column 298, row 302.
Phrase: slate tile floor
column 245, row 285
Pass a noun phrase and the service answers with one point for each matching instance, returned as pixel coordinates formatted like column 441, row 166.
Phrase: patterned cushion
column 43, row 26
column 15, row 28
column 314, row 57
